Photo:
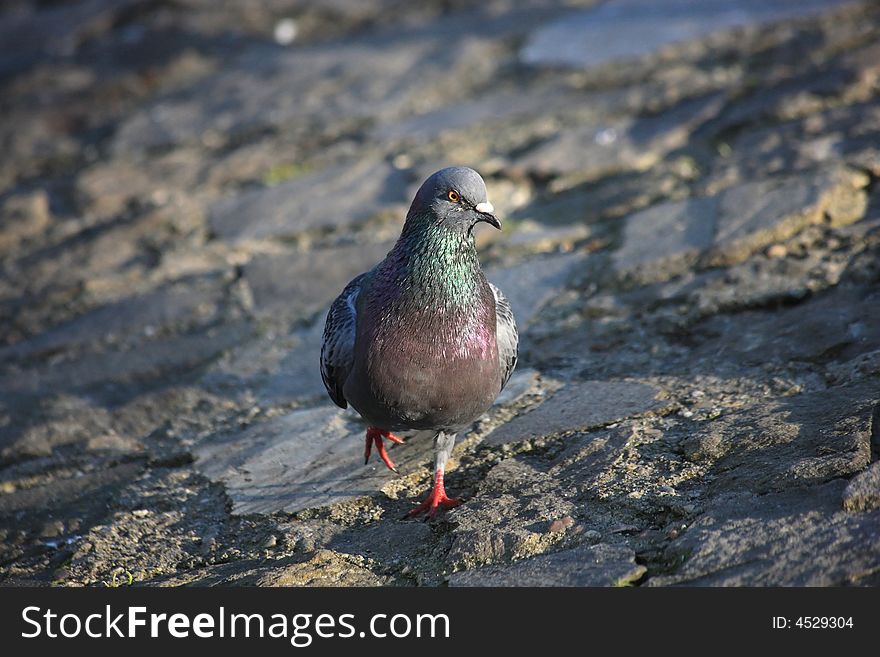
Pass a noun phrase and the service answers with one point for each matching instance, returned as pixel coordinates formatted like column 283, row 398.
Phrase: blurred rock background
column 692, row 231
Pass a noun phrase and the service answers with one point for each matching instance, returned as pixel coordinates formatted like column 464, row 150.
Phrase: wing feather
column 506, row 335
column 337, row 348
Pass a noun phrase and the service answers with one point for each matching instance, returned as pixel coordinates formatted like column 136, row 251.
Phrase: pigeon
column 423, row 341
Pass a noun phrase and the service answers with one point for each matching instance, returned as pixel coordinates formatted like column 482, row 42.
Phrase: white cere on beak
column 485, row 207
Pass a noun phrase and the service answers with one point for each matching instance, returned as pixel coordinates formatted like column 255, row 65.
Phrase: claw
column 375, row 436
column 436, row 500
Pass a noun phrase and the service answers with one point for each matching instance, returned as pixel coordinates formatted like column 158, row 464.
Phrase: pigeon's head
column 456, row 198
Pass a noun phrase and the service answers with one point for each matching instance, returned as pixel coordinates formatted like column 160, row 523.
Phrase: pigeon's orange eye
column 454, row 196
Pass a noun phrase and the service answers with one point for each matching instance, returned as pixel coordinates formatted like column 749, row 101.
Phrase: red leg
column 375, row 436
column 436, row 499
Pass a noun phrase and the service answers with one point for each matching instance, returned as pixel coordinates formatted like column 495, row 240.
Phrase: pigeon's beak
column 487, row 214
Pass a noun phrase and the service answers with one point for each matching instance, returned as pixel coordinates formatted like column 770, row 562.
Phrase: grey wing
column 506, row 335
column 337, row 348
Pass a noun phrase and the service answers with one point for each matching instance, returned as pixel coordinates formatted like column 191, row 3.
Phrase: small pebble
column 285, row 31
column 52, row 529
column 592, row 536
column 675, row 532
column 777, row 251
column 208, row 547
column 561, row 524
column 402, row 161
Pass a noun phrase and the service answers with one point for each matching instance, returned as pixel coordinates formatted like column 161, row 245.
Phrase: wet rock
column 579, row 407
column 593, row 565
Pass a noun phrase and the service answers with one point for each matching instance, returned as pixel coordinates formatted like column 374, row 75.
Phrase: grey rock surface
column 592, row 565
column 334, row 197
column 286, row 284
column 798, row 441
column 530, row 284
column 579, row 407
column 308, row 458
column 725, row 229
column 632, row 28
column 784, row 539
column 862, row 493
column 614, row 145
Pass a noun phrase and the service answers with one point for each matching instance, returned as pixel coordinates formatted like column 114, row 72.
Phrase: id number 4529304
column 813, row 622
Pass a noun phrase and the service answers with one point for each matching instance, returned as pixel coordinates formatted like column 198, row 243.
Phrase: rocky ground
column 691, row 246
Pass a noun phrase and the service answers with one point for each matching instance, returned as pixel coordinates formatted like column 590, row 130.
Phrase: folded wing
column 337, row 349
column 506, row 335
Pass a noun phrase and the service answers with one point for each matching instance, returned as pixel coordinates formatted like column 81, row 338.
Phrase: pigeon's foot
column 375, row 436
column 435, row 500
